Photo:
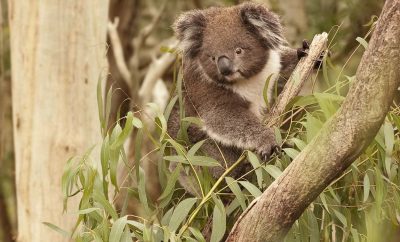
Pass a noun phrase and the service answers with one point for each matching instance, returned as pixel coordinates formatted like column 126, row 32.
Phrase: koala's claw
column 277, row 150
column 264, row 156
column 267, row 153
column 306, row 45
column 320, row 59
column 303, row 51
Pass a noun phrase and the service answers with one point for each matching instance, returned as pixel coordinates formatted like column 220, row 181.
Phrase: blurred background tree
column 8, row 218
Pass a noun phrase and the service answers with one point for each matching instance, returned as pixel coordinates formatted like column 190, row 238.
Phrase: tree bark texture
column 339, row 143
column 58, row 52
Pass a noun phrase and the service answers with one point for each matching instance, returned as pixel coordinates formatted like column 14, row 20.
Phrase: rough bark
column 58, row 53
column 339, row 142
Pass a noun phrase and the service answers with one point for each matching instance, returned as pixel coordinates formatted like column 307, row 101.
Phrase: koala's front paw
column 303, row 52
column 268, row 149
column 320, row 60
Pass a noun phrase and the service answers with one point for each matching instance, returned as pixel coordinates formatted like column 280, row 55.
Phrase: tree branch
column 137, row 44
column 118, row 52
column 339, row 143
column 303, row 70
column 157, row 68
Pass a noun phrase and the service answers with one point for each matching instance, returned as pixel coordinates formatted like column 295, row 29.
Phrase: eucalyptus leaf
column 87, row 210
column 117, row 229
column 233, row 185
column 126, row 131
column 274, row 171
column 251, row 188
column 363, row 42
column 194, row 120
column 195, row 148
column 341, row 217
column 367, row 187
column 57, row 229
column 292, row 153
column 197, row 234
column 142, row 191
column 180, row 213
column 101, row 199
column 257, row 167
column 219, row 221
column 171, row 182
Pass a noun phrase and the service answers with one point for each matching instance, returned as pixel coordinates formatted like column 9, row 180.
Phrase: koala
column 228, row 54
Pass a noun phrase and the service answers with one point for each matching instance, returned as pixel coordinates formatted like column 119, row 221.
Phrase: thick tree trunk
column 58, row 52
column 339, row 142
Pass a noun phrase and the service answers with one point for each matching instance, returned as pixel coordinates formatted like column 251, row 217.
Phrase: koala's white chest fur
column 252, row 88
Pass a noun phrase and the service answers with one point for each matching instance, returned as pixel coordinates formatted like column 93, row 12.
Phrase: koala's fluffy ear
column 189, row 29
column 263, row 22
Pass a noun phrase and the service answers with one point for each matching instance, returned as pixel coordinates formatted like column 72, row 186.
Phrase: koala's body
column 228, row 54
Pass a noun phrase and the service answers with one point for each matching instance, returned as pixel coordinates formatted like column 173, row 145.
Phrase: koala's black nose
column 225, row 66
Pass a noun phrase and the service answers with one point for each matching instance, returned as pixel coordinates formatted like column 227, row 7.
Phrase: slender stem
column 207, row 197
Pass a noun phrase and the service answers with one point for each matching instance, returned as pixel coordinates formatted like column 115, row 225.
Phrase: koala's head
column 232, row 43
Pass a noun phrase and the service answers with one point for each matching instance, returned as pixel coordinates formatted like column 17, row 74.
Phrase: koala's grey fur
column 231, row 106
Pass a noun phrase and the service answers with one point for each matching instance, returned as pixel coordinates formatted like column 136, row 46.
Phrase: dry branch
column 118, row 52
column 157, row 68
column 299, row 76
column 339, row 142
column 137, row 44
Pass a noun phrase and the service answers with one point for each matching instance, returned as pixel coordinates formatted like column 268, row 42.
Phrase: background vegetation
column 120, row 199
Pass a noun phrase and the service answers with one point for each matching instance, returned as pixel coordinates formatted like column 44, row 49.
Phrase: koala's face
column 230, row 44
column 229, row 52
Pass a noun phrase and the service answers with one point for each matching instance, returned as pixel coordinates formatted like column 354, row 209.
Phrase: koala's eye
column 238, row 51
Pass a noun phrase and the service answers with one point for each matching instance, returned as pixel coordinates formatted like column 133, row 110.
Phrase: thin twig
column 209, row 195
column 118, row 52
column 137, row 44
column 147, row 30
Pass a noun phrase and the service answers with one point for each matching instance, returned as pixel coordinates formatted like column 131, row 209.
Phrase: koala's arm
column 228, row 120
column 237, row 126
column 289, row 59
